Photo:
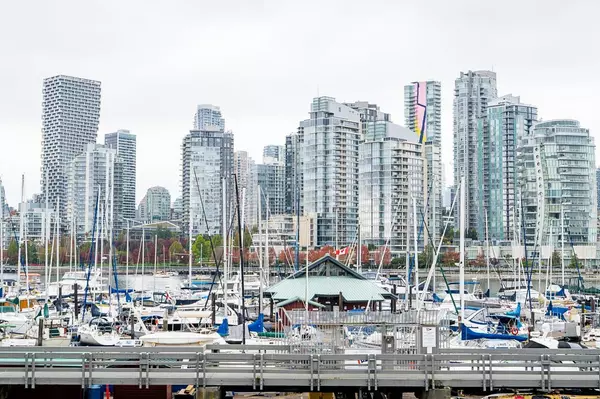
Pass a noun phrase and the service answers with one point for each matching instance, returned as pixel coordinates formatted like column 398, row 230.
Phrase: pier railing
column 257, row 368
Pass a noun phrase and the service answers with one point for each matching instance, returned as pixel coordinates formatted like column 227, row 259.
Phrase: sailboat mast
column 21, row 228
column 266, row 254
column 240, row 234
column 127, row 260
column 462, row 250
column 562, row 245
column 224, row 227
column 190, row 226
column 2, row 245
column 57, row 242
column 487, row 256
column 46, row 237
column 155, row 260
column 416, row 246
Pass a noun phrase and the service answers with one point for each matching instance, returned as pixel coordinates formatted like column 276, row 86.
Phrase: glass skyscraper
column 557, row 169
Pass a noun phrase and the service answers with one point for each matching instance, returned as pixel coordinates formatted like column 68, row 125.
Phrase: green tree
column 12, row 252
column 449, row 236
column 398, row 262
column 163, row 232
column 472, row 234
column 556, row 260
column 202, row 244
column 574, row 262
column 426, row 257
column 175, row 248
column 247, row 239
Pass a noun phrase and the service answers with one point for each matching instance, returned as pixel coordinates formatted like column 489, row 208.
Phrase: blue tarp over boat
column 468, row 334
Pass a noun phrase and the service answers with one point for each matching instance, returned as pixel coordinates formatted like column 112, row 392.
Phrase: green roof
column 327, row 277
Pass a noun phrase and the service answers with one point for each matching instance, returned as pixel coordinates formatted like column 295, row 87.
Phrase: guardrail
column 253, row 368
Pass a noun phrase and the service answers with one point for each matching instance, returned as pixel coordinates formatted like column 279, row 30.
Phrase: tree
column 382, row 253
column 574, row 262
column 247, row 239
column 449, row 236
column 175, row 248
column 426, row 257
column 163, row 232
column 479, row 261
column 556, row 259
column 450, row 258
column 398, row 262
column 12, row 252
column 472, row 234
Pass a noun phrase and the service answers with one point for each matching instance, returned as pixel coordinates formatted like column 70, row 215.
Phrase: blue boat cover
column 468, row 334
column 257, row 326
column 223, row 329
column 516, row 312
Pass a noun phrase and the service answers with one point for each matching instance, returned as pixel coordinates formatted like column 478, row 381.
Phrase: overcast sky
column 264, row 61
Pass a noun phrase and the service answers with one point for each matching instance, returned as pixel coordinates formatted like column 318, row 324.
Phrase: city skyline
column 242, row 82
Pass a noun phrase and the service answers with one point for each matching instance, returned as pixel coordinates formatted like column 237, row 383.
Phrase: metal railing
column 256, row 368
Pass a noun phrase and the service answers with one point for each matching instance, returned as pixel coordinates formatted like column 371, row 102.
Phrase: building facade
column 508, row 122
column 271, row 180
column 294, row 172
column 70, row 117
column 155, row 206
column 330, row 170
column 472, row 92
column 557, row 174
column 245, row 170
column 274, row 154
column 177, row 210
column 124, row 142
column 207, row 160
column 208, row 117
column 94, row 190
column 392, row 172
column 422, row 114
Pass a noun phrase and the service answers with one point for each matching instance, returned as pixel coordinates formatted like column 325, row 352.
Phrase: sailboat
column 98, row 332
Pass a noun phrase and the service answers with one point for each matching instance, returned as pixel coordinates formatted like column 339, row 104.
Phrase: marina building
column 70, row 117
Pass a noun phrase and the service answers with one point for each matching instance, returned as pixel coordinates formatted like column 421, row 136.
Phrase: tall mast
column 462, row 249
column 562, row 245
column 416, row 245
column 2, row 244
column 46, row 236
column 224, row 227
column 155, row 260
column 127, row 260
column 190, row 226
column 57, row 242
column 21, row 228
column 266, row 254
column 487, row 257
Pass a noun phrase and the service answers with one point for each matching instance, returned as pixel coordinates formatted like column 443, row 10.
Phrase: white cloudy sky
column 263, row 61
